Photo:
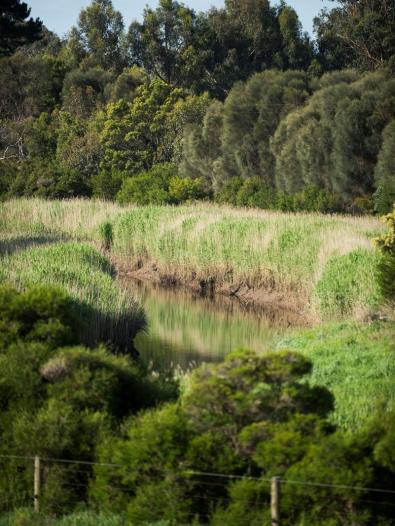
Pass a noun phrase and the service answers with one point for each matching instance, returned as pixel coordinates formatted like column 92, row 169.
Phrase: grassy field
column 108, row 313
column 27, row 517
column 327, row 262
column 323, row 265
column 355, row 362
column 37, row 219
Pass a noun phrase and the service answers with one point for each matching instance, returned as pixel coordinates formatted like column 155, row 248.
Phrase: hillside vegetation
column 198, row 150
column 355, row 362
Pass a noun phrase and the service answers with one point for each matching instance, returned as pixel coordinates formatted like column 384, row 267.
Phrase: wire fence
column 207, row 489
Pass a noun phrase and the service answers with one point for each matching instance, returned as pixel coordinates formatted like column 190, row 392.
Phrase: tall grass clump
column 349, row 284
column 107, row 313
column 106, row 235
column 322, row 265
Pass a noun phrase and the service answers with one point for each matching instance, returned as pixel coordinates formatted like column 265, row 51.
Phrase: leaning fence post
column 37, row 483
column 275, row 501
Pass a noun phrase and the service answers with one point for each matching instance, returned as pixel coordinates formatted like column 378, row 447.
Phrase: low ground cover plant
column 386, row 244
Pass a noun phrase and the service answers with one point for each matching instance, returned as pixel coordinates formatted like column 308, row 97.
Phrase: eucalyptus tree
column 98, row 37
column 357, row 32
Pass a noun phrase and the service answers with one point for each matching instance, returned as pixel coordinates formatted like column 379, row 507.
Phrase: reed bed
column 108, row 314
column 325, row 265
column 322, row 265
column 77, row 219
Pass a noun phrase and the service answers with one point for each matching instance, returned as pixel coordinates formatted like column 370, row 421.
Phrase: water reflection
column 185, row 329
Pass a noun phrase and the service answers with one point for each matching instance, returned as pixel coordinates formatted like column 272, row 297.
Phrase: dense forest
column 236, row 104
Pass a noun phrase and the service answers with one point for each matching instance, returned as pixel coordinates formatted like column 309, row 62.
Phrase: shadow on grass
column 117, row 332
column 103, row 312
column 15, row 244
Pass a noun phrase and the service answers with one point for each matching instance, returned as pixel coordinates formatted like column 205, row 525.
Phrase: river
column 186, row 329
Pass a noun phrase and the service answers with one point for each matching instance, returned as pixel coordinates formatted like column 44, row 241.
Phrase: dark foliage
column 251, row 416
column 16, row 28
column 58, row 399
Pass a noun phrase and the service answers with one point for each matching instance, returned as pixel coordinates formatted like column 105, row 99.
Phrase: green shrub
column 250, row 416
column 40, row 313
column 27, row 517
column 254, row 193
column 161, row 185
column 151, row 187
column 47, row 178
column 228, row 191
column 59, row 402
column 386, row 244
column 313, row 199
column 182, row 189
column 228, row 412
column 107, row 313
column 106, row 184
column 363, row 205
column 91, row 519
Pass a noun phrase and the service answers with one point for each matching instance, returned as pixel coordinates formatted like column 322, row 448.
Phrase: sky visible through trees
column 60, row 16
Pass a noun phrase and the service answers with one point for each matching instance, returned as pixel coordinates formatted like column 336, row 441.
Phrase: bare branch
column 14, row 151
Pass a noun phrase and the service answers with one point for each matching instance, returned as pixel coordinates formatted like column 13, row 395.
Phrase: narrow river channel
column 186, row 329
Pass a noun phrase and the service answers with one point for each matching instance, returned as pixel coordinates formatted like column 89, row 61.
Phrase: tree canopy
column 239, row 98
column 16, row 28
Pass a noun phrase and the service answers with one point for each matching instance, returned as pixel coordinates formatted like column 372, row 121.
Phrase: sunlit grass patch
column 355, row 362
column 292, row 254
column 71, row 218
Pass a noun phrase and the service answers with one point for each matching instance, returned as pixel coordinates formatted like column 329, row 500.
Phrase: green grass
column 108, row 314
column 27, row 517
column 299, row 256
column 355, row 362
column 78, row 219
column 324, row 265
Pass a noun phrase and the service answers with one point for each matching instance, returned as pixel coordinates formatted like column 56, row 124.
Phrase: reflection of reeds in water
column 184, row 328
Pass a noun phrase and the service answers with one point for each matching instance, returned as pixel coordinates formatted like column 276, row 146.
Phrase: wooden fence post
column 275, row 501
column 37, row 483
